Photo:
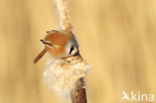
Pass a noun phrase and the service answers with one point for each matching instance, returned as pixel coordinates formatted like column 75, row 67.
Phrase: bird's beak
column 75, row 49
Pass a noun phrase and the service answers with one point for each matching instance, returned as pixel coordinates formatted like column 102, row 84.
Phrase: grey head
column 72, row 47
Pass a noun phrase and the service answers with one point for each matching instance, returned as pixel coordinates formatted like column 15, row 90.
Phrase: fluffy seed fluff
column 62, row 74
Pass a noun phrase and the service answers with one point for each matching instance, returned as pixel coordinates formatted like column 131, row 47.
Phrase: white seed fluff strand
column 64, row 18
column 62, row 76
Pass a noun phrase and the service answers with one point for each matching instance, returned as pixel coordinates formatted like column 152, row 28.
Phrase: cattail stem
column 64, row 19
column 78, row 95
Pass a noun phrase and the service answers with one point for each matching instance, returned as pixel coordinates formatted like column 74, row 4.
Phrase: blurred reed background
column 116, row 37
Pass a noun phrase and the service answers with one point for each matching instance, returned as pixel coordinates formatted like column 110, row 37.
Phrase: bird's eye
column 71, row 49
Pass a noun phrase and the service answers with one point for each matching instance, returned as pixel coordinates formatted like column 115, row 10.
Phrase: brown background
column 116, row 37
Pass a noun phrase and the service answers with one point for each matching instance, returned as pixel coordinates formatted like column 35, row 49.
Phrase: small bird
column 65, row 66
column 59, row 45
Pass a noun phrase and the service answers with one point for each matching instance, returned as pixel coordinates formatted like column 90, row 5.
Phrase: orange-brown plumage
column 59, row 45
column 59, row 40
